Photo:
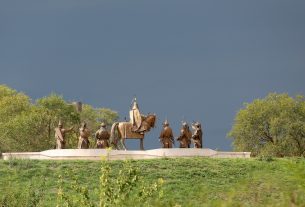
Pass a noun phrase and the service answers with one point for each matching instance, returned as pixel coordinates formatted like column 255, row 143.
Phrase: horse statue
column 124, row 130
column 185, row 136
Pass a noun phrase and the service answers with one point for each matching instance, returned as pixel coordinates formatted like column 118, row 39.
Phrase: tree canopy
column 273, row 126
column 27, row 126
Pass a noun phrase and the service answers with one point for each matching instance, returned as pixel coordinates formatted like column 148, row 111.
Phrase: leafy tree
column 274, row 126
column 25, row 126
column 6, row 91
column 26, row 132
column 57, row 109
column 12, row 103
column 94, row 116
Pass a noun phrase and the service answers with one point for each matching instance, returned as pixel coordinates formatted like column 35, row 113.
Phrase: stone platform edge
column 98, row 154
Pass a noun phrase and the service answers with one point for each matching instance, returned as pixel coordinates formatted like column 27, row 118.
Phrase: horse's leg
column 142, row 144
column 121, row 135
column 123, row 142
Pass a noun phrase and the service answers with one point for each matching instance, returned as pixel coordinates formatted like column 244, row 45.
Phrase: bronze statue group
column 102, row 136
column 185, row 138
column 135, row 129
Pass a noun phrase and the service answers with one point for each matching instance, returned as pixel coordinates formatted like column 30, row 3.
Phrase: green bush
column 127, row 189
column 189, row 182
column 31, row 194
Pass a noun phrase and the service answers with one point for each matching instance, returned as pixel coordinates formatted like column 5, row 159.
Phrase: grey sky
column 195, row 59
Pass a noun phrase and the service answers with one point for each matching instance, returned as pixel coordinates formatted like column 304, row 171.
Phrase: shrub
column 128, row 188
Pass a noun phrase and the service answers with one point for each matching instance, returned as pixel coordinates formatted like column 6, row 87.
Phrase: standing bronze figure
column 84, row 133
column 185, row 136
column 166, row 136
column 102, row 137
column 60, row 134
column 135, row 129
column 197, row 135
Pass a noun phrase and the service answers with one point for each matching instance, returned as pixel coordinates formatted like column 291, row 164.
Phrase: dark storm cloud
column 195, row 59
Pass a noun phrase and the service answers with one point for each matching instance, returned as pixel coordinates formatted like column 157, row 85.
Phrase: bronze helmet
column 166, row 123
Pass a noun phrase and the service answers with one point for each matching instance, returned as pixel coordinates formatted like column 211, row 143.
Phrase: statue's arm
column 179, row 137
column 171, row 133
column 172, row 136
column 196, row 136
column 56, row 136
column 193, row 135
column 96, row 134
column 161, row 135
column 108, row 135
column 69, row 130
column 59, row 134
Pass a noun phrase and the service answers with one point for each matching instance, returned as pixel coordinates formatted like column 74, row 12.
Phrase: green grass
column 188, row 182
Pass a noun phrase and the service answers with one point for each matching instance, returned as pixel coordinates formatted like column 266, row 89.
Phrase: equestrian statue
column 134, row 129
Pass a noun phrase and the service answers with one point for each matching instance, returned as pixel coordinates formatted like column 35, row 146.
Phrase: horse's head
column 151, row 120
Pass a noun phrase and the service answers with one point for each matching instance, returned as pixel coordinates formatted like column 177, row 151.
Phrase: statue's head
column 166, row 123
column 135, row 104
column 196, row 126
column 185, row 126
column 103, row 124
column 60, row 124
column 84, row 125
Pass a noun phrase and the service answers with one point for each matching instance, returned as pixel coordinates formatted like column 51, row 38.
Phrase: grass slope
column 188, row 182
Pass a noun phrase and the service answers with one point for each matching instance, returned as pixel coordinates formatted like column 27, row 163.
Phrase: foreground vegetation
column 187, row 182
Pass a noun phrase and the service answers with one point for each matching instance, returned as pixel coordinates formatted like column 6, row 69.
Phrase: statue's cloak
column 135, row 117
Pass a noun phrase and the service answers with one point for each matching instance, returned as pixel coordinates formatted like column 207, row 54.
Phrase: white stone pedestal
column 97, row 154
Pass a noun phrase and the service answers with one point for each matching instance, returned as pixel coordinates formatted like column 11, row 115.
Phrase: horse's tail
column 113, row 138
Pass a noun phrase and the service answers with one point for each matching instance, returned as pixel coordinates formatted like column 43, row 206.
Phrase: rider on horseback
column 135, row 117
column 135, row 129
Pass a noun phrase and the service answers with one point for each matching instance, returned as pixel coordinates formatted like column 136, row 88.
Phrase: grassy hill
column 188, row 182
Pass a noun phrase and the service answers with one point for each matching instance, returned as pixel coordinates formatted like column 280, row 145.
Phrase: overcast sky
column 195, row 59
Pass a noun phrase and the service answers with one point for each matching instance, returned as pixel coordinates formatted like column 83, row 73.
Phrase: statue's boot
column 134, row 129
column 139, row 130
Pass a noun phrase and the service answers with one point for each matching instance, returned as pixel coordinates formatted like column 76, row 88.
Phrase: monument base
column 97, row 154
